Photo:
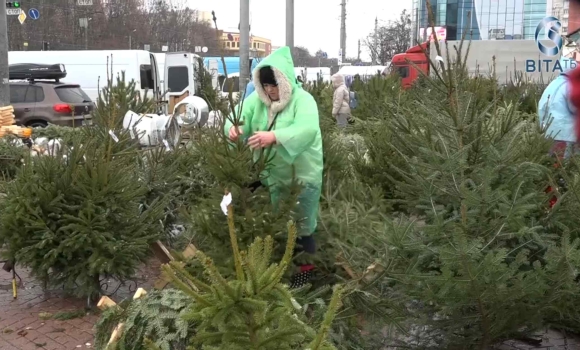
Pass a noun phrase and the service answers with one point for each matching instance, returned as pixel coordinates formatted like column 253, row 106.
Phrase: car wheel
column 37, row 124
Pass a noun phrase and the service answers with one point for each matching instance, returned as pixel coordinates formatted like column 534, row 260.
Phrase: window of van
column 232, row 83
column 177, row 79
column 147, row 81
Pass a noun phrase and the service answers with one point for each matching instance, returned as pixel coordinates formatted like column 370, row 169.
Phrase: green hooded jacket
column 298, row 148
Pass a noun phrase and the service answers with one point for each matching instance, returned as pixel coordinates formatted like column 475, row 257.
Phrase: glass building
column 481, row 19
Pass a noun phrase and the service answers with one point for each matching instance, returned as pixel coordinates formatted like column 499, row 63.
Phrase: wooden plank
column 162, row 253
column 105, row 302
column 188, row 253
column 174, row 100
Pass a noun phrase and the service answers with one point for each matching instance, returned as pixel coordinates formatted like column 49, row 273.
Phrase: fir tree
column 157, row 316
column 482, row 264
column 254, row 310
column 82, row 214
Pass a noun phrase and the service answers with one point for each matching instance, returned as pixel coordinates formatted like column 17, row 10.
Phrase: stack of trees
column 434, row 219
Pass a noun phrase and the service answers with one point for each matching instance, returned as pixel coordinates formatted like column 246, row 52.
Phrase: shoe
column 303, row 277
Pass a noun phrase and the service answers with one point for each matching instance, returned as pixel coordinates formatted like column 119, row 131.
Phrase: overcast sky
column 317, row 22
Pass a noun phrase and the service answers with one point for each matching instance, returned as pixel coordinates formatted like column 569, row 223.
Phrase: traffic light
column 13, row 4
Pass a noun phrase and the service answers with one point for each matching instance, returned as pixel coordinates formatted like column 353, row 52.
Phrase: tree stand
column 10, row 266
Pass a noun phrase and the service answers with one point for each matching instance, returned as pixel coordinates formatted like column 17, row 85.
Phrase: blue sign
column 553, row 35
column 34, row 14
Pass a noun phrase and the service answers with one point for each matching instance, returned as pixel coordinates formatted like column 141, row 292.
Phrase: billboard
column 441, row 33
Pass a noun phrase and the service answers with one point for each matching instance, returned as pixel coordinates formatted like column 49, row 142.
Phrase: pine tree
column 478, row 260
column 232, row 168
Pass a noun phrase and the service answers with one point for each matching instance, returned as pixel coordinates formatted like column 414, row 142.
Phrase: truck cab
column 404, row 64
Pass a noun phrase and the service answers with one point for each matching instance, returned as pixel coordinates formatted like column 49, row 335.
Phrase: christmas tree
column 476, row 258
column 254, row 310
column 82, row 214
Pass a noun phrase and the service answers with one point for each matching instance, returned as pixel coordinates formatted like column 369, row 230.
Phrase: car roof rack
column 34, row 71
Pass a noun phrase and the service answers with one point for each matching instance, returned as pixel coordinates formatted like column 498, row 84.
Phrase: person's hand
column 235, row 132
column 262, row 139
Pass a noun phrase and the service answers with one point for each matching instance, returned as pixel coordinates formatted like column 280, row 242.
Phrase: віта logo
column 550, row 43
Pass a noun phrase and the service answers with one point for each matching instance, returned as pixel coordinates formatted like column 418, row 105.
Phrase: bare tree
column 303, row 58
column 113, row 24
column 390, row 39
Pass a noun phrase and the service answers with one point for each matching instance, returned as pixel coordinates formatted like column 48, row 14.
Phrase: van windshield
column 231, row 84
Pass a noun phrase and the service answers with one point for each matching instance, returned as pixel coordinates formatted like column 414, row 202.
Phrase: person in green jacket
column 281, row 119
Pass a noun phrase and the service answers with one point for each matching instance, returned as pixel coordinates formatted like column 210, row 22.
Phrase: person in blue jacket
column 249, row 89
column 557, row 113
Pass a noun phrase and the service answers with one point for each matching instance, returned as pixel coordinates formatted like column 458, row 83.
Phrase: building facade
column 486, row 19
column 259, row 46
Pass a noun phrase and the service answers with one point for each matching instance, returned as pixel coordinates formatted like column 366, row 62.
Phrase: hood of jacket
column 337, row 80
column 281, row 63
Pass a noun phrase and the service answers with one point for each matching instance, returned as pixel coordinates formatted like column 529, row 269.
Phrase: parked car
column 42, row 99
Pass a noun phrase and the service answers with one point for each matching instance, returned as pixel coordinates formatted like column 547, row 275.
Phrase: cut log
column 139, row 293
column 116, row 335
column 105, row 302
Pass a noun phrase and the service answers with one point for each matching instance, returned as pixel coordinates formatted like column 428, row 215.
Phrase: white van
column 160, row 58
column 89, row 68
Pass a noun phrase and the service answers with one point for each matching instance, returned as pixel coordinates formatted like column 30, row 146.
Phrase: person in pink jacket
column 341, row 101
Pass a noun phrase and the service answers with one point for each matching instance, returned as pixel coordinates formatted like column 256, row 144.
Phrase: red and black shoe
column 303, row 277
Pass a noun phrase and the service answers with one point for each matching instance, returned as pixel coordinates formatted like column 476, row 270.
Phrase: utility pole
column 244, row 44
column 4, row 85
column 290, row 24
column 343, row 30
column 358, row 56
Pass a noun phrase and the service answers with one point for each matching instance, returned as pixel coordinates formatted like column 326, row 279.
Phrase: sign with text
column 85, row 2
column 441, row 33
column 13, row 12
column 549, row 41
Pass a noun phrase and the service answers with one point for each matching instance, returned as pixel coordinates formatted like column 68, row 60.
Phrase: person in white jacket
column 341, row 101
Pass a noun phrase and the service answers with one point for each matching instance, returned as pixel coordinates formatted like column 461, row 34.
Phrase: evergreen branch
column 215, row 275
column 235, row 247
column 184, row 287
column 286, row 259
column 335, row 304
column 179, row 268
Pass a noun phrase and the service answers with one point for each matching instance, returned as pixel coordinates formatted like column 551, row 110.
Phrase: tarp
column 361, row 70
column 232, row 64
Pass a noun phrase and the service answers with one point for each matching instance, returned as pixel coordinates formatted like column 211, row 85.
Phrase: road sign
column 147, row 47
column 34, row 14
column 85, row 2
column 22, row 17
column 13, row 12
